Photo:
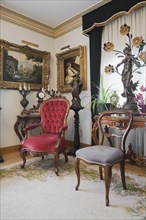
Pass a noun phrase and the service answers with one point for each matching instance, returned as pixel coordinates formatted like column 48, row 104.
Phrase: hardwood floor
column 11, row 158
column 14, row 157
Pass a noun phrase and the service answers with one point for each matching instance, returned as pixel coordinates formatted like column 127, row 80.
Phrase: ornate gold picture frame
column 21, row 64
column 77, row 59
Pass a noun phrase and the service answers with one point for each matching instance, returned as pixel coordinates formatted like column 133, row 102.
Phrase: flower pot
column 102, row 107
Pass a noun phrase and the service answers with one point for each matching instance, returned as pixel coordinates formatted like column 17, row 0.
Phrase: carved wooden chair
column 53, row 112
column 104, row 155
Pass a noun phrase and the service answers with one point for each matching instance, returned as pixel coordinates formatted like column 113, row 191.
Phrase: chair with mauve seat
column 103, row 155
column 53, row 112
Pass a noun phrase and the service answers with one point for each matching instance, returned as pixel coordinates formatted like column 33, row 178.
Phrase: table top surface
column 29, row 115
column 141, row 117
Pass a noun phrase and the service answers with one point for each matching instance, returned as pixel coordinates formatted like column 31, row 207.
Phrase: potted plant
column 102, row 100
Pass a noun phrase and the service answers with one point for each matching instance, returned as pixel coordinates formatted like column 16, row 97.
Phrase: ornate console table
column 138, row 122
column 22, row 121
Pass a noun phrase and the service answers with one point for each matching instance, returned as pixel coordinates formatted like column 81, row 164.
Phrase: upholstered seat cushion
column 42, row 143
column 104, row 155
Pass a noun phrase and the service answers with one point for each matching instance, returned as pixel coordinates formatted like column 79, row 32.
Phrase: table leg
column 16, row 128
column 1, row 159
column 130, row 155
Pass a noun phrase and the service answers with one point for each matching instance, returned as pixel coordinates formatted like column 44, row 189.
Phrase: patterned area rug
column 37, row 193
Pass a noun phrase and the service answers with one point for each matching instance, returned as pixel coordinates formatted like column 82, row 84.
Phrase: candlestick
column 53, row 93
column 24, row 91
column 48, row 87
column 20, row 86
column 28, row 87
column 25, row 86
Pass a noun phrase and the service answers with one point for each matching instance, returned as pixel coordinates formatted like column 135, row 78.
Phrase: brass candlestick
column 24, row 90
column 52, row 92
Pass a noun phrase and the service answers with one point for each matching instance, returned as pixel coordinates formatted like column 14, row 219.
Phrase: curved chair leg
column 108, row 176
column 23, row 153
column 100, row 173
column 65, row 155
column 77, row 169
column 122, row 170
column 56, row 158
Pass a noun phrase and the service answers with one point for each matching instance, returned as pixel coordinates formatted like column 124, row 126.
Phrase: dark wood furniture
column 24, row 120
column 138, row 122
column 103, row 155
column 1, row 158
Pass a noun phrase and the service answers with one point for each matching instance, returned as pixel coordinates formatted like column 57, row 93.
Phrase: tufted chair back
column 53, row 114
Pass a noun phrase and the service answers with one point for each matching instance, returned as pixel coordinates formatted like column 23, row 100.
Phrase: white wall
column 10, row 99
column 75, row 38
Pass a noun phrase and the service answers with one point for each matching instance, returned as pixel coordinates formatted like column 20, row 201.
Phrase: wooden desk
column 22, row 121
column 138, row 122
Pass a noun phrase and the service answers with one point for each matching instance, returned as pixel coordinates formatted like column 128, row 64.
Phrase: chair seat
column 42, row 143
column 103, row 155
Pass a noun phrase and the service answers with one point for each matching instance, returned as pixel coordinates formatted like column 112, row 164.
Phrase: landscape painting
column 23, row 64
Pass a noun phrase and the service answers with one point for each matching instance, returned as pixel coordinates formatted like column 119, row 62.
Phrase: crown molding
column 16, row 18
column 19, row 19
column 67, row 26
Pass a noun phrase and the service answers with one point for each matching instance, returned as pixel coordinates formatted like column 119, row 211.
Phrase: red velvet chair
column 54, row 112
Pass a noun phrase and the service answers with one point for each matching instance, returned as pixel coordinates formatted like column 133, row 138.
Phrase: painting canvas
column 23, row 64
column 68, row 64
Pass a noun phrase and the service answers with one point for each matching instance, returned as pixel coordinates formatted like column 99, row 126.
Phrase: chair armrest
column 61, row 133
column 62, row 130
column 31, row 126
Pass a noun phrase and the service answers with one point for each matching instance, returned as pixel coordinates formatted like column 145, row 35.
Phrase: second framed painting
column 69, row 63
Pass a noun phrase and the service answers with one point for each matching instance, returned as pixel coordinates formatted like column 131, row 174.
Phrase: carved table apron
column 138, row 122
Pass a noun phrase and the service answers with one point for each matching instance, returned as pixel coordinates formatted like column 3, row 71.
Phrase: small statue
column 127, row 71
column 77, row 85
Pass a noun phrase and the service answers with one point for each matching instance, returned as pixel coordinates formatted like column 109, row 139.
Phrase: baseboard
column 9, row 149
column 70, row 145
column 14, row 148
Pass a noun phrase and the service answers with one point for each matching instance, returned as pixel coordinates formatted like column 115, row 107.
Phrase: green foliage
column 102, row 97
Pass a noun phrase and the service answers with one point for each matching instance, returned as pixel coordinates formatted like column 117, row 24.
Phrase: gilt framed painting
column 69, row 63
column 21, row 64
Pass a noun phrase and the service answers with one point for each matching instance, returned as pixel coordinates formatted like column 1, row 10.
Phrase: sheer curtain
column 111, row 33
